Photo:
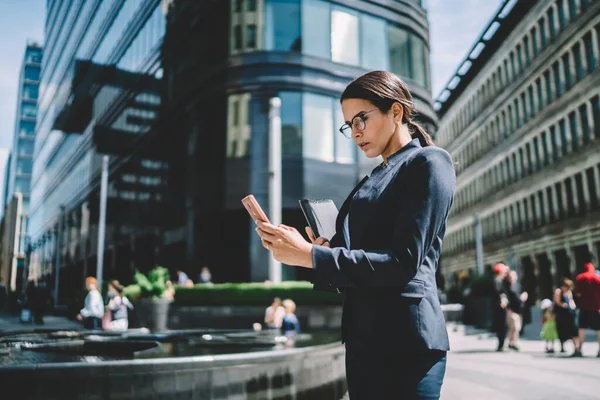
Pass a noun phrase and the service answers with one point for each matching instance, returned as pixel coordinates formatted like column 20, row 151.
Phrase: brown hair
column 383, row 89
column 118, row 287
column 567, row 283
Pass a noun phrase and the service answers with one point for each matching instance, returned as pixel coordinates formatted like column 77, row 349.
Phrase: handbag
column 106, row 321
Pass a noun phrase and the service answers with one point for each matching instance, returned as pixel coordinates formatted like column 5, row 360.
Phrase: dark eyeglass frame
column 360, row 116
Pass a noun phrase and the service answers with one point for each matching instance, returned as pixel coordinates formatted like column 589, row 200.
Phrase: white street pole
column 478, row 244
column 58, row 253
column 274, row 178
column 102, row 221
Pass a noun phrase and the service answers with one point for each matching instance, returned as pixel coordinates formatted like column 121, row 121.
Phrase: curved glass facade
column 327, row 30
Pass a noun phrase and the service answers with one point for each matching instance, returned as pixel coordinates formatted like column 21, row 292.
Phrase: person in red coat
column 587, row 288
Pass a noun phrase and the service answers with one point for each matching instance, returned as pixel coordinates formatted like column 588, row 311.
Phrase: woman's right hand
column 314, row 240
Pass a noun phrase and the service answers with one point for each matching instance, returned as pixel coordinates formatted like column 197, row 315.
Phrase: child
column 290, row 324
column 549, row 332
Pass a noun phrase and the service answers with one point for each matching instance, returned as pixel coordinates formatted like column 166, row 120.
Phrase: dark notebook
column 320, row 215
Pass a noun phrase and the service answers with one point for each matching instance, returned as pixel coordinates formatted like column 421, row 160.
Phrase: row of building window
column 566, row 198
column 549, row 85
column 310, row 125
column 543, row 32
column 569, row 134
column 111, row 21
column 321, row 29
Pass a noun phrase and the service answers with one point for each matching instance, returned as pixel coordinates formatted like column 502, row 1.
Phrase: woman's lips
column 363, row 145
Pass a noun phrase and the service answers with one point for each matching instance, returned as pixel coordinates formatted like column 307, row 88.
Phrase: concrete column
column 590, row 120
column 539, row 218
column 597, row 180
column 593, row 251
column 555, row 202
column 595, row 50
column 579, row 132
column 583, row 54
column 553, row 267
column 586, row 191
column 546, row 205
column 563, row 189
column 574, row 195
column 530, row 211
column 570, row 258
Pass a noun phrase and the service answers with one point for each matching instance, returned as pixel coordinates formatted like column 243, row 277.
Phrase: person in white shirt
column 119, row 307
column 93, row 309
column 274, row 314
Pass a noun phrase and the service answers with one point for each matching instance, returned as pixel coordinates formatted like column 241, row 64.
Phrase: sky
column 454, row 27
column 20, row 20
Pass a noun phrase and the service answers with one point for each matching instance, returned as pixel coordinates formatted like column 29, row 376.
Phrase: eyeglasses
column 357, row 123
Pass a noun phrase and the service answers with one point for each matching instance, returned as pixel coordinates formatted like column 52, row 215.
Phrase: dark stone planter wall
column 310, row 373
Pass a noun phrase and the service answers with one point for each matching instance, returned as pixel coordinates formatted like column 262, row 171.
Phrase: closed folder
column 320, row 215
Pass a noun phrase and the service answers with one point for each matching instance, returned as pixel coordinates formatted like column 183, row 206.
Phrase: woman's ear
column 397, row 112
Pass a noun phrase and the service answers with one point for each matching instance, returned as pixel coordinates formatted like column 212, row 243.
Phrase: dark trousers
column 92, row 323
column 499, row 325
column 390, row 375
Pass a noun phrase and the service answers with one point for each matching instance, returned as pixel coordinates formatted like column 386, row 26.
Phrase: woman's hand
column 286, row 243
column 318, row 241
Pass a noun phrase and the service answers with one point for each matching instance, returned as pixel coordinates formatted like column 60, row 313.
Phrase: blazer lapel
column 339, row 223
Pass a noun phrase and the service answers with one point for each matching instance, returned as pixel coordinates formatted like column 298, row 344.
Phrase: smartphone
column 254, row 209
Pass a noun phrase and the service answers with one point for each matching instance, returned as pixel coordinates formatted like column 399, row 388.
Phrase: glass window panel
column 344, row 148
column 30, row 92
column 251, row 5
column 344, row 37
column 34, row 56
column 316, row 28
column 398, row 50
column 27, row 129
column 291, row 123
column 24, row 166
column 282, row 25
column 251, row 36
column 114, row 34
column 32, row 73
column 22, row 185
column 373, row 39
column 418, row 61
column 28, row 110
column 317, row 124
column 589, row 52
column 26, row 147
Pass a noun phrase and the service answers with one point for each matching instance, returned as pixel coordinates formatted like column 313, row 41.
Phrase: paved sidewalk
column 476, row 371
column 10, row 322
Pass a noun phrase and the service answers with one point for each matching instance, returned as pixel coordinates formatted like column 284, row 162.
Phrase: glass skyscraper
column 18, row 170
column 99, row 94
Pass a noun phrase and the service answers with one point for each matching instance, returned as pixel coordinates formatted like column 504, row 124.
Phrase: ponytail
column 417, row 131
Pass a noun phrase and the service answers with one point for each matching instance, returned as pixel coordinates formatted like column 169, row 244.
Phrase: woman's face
column 375, row 138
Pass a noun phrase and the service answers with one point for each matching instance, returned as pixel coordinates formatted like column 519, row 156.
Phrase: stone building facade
column 521, row 118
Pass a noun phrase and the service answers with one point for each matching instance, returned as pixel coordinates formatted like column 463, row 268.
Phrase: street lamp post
column 102, row 221
column 275, row 177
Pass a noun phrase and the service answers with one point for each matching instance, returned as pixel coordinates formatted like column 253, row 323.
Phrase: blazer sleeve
column 418, row 221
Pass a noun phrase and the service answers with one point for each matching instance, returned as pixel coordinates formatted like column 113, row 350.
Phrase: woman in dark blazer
column 385, row 252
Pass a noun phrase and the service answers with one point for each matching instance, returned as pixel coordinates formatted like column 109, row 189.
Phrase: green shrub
column 132, row 292
column 254, row 294
column 153, row 285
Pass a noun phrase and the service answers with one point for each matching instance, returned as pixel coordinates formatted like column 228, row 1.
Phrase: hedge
column 254, row 294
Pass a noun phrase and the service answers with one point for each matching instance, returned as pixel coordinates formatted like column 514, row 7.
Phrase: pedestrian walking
column 93, row 310
column 587, row 288
column 564, row 309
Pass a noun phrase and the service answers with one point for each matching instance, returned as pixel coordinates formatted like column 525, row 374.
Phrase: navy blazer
column 397, row 222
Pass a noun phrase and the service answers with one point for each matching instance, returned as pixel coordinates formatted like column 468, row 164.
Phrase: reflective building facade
column 18, row 170
column 521, row 118
column 220, row 77
column 99, row 94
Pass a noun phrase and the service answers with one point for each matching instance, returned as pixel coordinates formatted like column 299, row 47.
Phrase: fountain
column 191, row 364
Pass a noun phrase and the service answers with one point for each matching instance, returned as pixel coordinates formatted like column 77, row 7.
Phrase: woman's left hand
column 286, row 243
